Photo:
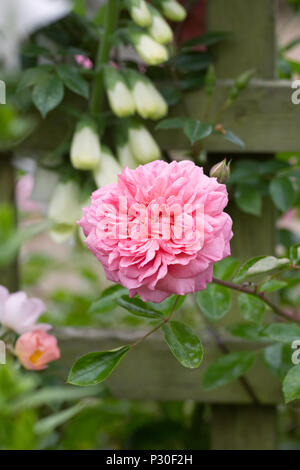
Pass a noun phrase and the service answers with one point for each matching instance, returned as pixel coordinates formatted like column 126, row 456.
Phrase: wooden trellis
column 265, row 118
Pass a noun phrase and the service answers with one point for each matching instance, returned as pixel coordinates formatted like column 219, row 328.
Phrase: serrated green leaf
column 138, row 307
column 277, row 357
column 214, row 301
column 226, row 268
column 291, row 384
column 282, row 193
column 108, row 299
column 252, row 308
column 248, row 199
column 267, row 264
column 227, row 368
column 171, row 123
column 95, row 367
column 48, row 94
column 259, row 265
column 250, row 332
column 183, row 343
column 283, row 332
column 196, row 130
column 72, row 79
column 272, row 285
column 234, row 139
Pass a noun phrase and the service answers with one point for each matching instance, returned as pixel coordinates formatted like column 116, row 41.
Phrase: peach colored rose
column 154, row 266
column 36, row 349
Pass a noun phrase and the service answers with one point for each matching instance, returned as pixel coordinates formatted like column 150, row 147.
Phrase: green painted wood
column 9, row 274
column 151, row 372
column 245, row 427
column 251, row 44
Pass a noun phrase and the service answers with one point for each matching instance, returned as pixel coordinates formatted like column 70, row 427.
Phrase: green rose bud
column 221, row 171
column 85, row 147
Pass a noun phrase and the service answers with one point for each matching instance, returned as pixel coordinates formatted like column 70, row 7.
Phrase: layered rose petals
column 149, row 258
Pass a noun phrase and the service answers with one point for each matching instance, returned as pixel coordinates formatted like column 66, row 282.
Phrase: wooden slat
column 263, row 116
column 151, row 372
column 251, row 44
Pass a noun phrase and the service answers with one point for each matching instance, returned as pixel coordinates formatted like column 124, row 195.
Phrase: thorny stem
column 225, row 350
column 259, row 295
column 157, row 327
column 103, row 55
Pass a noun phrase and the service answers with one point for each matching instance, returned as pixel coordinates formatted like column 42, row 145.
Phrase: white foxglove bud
column 148, row 49
column 64, row 210
column 139, row 12
column 85, row 147
column 173, row 10
column 159, row 28
column 142, row 145
column 148, row 101
column 119, row 96
column 108, row 170
column 125, row 156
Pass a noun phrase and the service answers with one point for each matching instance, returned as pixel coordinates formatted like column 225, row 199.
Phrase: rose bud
column 108, row 170
column 148, row 49
column 142, row 145
column 20, row 313
column 221, row 171
column 64, row 210
column 36, row 349
column 85, row 147
column 159, row 28
column 173, row 10
column 139, row 12
column 119, row 96
column 148, row 101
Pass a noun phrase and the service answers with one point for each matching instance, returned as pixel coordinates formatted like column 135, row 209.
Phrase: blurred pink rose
column 24, row 189
column 84, row 61
column 290, row 221
column 36, row 349
column 20, row 313
column 152, row 265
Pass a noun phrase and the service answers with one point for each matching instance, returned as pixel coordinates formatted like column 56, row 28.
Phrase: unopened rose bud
column 221, row 171
column 148, row 101
column 64, row 210
column 159, row 28
column 108, row 170
column 173, row 10
column 36, row 349
column 85, row 147
column 119, row 96
column 142, row 145
column 139, row 12
column 148, row 49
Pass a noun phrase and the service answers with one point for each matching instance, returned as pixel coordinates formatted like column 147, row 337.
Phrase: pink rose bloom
column 20, row 313
column 156, row 266
column 36, row 349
